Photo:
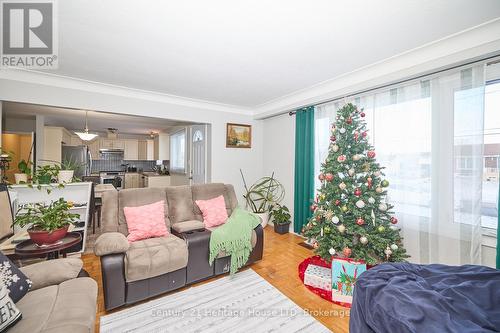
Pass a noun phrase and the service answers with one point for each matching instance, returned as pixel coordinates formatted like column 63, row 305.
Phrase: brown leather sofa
column 135, row 271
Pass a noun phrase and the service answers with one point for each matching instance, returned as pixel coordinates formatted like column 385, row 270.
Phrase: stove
column 115, row 178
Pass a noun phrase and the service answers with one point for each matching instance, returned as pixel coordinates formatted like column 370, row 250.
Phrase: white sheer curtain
column 429, row 137
column 324, row 116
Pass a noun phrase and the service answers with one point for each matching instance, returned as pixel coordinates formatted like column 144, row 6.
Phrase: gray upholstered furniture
column 59, row 301
column 135, row 271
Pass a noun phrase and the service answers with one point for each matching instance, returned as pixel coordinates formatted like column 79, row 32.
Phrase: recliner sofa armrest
column 111, row 243
column 52, row 272
column 187, row 226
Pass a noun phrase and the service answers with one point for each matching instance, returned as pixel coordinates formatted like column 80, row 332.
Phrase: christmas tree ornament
column 360, row 221
column 335, row 219
column 335, row 148
column 341, row 158
column 347, row 252
column 360, row 204
column 342, row 130
column 356, row 157
column 369, row 182
column 331, row 251
column 362, row 114
column 322, row 197
column 394, row 247
column 357, row 192
column 377, row 173
column 328, row 215
column 337, row 202
column 351, row 172
column 363, row 240
column 315, row 244
column 356, row 135
column 328, row 177
column 321, row 176
column 372, row 215
column 381, row 229
column 349, row 120
column 387, row 252
column 321, row 233
column 384, row 183
column 327, row 230
column 341, row 228
column 314, row 207
column 366, row 167
column 394, row 220
column 344, row 209
column 333, row 138
column 342, row 186
column 382, row 206
column 393, row 227
column 318, row 218
column 379, row 189
column 371, row 200
column 370, row 154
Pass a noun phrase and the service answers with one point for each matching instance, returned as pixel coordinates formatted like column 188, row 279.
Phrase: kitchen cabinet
column 75, row 141
column 131, row 151
column 132, row 180
column 156, row 181
column 94, row 149
column 112, row 144
column 162, row 147
column 146, row 150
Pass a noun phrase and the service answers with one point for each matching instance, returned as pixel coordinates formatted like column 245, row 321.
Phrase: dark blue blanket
column 403, row 297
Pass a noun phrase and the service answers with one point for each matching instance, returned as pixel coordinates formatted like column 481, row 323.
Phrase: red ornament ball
column 349, row 120
column 333, row 138
column 347, row 252
column 370, row 154
column 360, row 221
column 394, row 220
column 364, row 134
column 329, row 177
column 321, row 176
column 337, row 202
column 357, row 192
column 362, row 114
column 314, row 207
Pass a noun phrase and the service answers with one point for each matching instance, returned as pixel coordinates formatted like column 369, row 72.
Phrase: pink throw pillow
column 146, row 221
column 213, row 210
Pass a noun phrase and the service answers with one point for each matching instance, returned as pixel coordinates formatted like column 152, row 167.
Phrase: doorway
column 20, row 145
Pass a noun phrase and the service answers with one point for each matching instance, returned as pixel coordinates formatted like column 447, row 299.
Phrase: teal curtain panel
column 304, row 166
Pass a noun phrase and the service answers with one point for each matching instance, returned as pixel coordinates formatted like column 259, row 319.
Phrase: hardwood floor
column 282, row 255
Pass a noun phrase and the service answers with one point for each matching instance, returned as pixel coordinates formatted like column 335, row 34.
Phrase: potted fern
column 47, row 224
column 281, row 219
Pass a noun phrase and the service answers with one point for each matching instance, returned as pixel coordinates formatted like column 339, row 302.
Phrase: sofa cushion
column 180, row 203
column 110, row 243
column 67, row 307
column 135, row 197
column 146, row 221
column 213, row 210
column 188, row 226
column 155, row 256
column 52, row 272
column 253, row 241
column 210, row 191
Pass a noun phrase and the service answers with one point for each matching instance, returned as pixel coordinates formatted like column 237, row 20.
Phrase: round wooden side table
column 29, row 249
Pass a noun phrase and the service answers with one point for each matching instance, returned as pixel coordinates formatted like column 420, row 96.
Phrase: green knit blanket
column 234, row 238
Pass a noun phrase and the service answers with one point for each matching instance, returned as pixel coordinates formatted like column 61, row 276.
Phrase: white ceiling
column 246, row 53
column 97, row 121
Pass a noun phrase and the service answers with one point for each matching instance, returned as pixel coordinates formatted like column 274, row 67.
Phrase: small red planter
column 42, row 237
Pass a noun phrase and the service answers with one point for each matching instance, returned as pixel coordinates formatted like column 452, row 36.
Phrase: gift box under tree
column 318, row 277
column 345, row 273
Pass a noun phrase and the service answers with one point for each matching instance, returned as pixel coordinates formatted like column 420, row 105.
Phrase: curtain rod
column 412, row 78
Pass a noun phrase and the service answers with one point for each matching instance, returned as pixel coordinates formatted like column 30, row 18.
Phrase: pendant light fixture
column 85, row 135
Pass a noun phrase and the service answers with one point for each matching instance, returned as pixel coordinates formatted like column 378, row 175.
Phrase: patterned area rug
column 242, row 303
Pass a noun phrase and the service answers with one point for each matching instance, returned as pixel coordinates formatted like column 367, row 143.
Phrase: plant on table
column 47, row 223
column 263, row 195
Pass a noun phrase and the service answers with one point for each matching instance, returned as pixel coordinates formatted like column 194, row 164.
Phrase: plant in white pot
column 67, row 172
column 261, row 197
column 24, row 172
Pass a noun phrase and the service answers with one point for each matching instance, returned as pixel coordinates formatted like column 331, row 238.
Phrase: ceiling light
column 85, row 135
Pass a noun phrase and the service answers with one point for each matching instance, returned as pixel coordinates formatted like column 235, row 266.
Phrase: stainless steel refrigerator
column 79, row 155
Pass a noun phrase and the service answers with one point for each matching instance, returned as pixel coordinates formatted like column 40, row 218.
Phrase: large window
column 178, row 152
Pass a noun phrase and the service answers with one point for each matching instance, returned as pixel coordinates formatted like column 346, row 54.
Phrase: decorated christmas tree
column 351, row 216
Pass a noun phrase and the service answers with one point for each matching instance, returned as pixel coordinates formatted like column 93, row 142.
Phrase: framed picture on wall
column 238, row 136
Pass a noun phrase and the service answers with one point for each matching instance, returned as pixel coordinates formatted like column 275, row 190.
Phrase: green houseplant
column 281, row 218
column 67, row 170
column 24, row 172
column 47, row 223
column 46, row 173
column 262, row 196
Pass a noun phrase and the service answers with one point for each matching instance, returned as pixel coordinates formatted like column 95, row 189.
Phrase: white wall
column 279, row 153
column 225, row 162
